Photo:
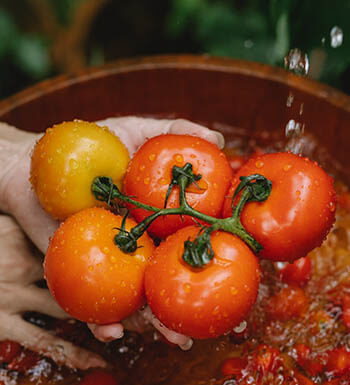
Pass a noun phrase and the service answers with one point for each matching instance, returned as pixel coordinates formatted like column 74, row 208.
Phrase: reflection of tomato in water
column 202, row 302
column 88, row 275
column 150, row 172
column 299, row 212
column 66, row 160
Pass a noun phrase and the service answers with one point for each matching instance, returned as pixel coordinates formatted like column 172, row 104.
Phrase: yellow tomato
column 66, row 160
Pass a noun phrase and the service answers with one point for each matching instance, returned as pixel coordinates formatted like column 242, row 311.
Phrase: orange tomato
column 88, row 275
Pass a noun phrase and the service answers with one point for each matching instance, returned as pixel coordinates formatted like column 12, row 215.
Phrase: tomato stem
column 198, row 252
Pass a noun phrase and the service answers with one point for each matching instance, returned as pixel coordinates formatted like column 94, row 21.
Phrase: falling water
column 336, row 37
column 297, row 61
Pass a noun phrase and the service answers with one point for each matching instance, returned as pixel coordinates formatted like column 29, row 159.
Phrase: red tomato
column 338, row 361
column 302, row 380
column 99, row 377
column 234, row 366
column 297, row 273
column 9, row 350
column 346, row 310
column 288, row 303
column 202, row 302
column 299, row 212
column 308, row 361
column 150, row 172
column 266, row 359
column 24, row 361
column 88, row 275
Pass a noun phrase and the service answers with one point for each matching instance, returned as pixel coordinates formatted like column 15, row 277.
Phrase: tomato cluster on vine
column 212, row 225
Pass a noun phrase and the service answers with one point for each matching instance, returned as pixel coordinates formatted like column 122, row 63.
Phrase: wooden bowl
column 222, row 93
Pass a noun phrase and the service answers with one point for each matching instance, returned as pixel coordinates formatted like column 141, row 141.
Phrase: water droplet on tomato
column 90, row 268
column 178, row 158
column 73, row 164
column 332, row 206
column 287, row 167
column 163, row 181
column 113, row 259
column 259, row 164
column 63, row 193
column 187, row 288
column 147, row 180
column 49, row 160
column 234, row 291
column 216, row 310
column 142, row 167
column 152, row 157
column 162, row 292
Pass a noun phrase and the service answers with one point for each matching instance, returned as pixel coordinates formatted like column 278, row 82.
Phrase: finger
column 107, row 333
column 32, row 298
column 134, row 131
column 18, row 261
column 182, row 127
column 23, row 204
column 41, row 341
column 184, row 342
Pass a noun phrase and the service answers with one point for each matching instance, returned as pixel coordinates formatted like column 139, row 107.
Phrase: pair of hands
column 22, row 219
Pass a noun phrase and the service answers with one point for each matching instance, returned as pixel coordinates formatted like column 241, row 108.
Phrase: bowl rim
column 179, row 61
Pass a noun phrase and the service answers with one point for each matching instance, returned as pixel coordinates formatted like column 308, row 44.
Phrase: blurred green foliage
column 258, row 30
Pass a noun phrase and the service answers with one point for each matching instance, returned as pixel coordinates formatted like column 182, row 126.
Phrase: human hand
column 18, row 199
column 20, row 269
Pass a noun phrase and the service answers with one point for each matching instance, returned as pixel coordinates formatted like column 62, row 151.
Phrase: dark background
column 43, row 38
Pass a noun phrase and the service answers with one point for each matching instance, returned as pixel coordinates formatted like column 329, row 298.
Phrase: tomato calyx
column 197, row 253
column 186, row 171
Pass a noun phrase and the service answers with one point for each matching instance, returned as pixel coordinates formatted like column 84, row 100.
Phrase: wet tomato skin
column 202, row 302
column 88, row 275
column 66, row 160
column 150, row 172
column 299, row 212
column 9, row 350
column 296, row 273
column 289, row 302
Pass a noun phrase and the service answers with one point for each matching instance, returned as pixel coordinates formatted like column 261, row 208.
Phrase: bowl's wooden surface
column 220, row 92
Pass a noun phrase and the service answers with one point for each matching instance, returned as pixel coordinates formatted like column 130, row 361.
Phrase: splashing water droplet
column 290, row 100
column 241, row 327
column 294, row 128
column 336, row 37
column 297, row 61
